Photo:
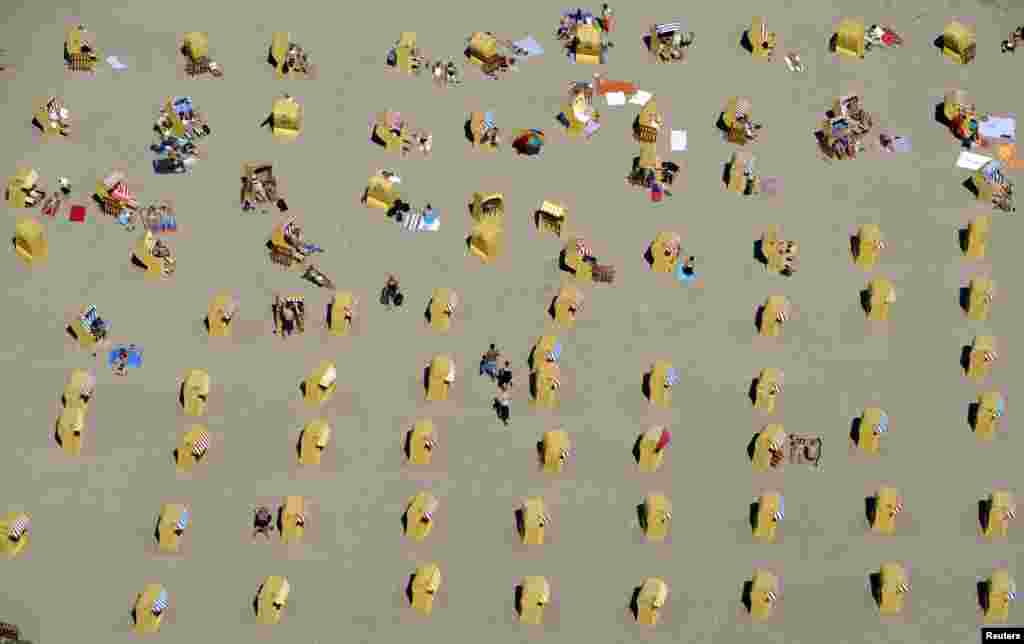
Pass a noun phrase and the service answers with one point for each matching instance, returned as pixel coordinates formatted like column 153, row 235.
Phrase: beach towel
column 134, row 355
column 684, row 275
column 615, row 99
column 971, row 161
column 77, row 214
column 640, row 98
column 116, row 64
column 679, row 142
column 591, row 128
column 999, row 127
column 530, row 46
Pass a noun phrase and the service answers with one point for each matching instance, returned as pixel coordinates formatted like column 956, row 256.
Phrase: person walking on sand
column 503, row 406
column 489, row 363
column 505, row 377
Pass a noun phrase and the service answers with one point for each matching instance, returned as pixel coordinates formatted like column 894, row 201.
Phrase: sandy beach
column 92, row 518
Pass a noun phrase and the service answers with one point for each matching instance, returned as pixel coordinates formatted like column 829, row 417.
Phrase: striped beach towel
column 671, row 378
column 18, row 528
column 555, row 353
column 664, row 440
column 1011, row 594
column 582, row 249
column 898, row 508
column 120, row 192
column 201, row 445
column 903, row 588
column 883, row 425
column 780, row 514
column 771, row 596
column 667, row 28
column 782, row 317
column 300, row 519
column 160, row 605
column 555, row 383
column 991, row 356
column 1011, row 514
column 182, row 522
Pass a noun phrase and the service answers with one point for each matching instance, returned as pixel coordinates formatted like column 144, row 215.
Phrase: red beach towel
column 77, row 214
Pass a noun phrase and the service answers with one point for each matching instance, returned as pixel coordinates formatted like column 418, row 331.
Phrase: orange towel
column 1007, row 153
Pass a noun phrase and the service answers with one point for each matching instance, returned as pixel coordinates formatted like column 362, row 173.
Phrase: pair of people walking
column 502, row 376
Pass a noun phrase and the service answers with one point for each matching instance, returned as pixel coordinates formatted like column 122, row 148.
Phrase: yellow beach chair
column 440, row 377
column 981, row 357
column 552, row 217
column 419, row 515
column 1000, row 510
column 533, row 596
column 767, row 389
column 70, row 430
column 652, row 447
column 381, row 192
column 555, row 449
column 771, row 510
column 80, row 53
column 79, row 390
column 421, row 441
column 894, row 585
column 661, row 380
column 567, row 306
column 588, row 45
column 170, row 527
column 764, row 594
column 980, row 293
column 978, row 232
column 321, row 384
column 545, row 385
column 286, row 118
column 195, row 392
column 426, row 582
column 486, row 240
column 271, row 600
column 293, row 519
column 774, row 314
column 868, row 244
column 888, row 504
column 989, row 412
column 959, row 43
column 313, row 440
column 849, row 37
column 881, row 295
column 24, row 181
column 30, row 240
column 341, row 312
column 1000, row 592
column 532, row 521
column 406, row 52
column 220, row 316
column 444, row 302
column 650, row 601
column 656, row 516
column 769, row 448
column 874, row 423
column 488, row 206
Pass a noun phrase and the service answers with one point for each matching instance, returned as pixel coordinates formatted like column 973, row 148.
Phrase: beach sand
column 93, row 517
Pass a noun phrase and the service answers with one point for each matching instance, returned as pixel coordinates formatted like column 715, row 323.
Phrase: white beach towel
column 530, row 46
column 615, row 99
column 116, row 64
column 679, row 142
column 640, row 98
column 971, row 161
column 998, row 127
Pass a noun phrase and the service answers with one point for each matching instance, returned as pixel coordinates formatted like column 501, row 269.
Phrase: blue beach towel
column 134, row 355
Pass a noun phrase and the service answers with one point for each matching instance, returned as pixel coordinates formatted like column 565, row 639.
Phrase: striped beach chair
column 667, row 28
column 182, row 522
column 160, row 604
column 671, row 378
column 555, row 353
column 201, row 445
column 81, row 63
column 19, row 528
